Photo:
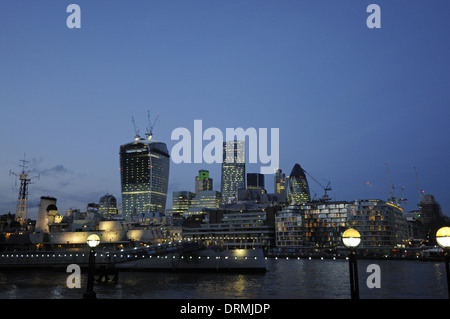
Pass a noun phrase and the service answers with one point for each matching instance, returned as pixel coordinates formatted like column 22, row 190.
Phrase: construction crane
column 325, row 188
column 136, row 129
column 419, row 192
column 391, row 188
column 402, row 200
column 149, row 133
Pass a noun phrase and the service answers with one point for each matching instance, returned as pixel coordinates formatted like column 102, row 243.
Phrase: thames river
column 285, row 279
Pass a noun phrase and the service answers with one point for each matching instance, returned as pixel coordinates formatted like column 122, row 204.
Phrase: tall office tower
column 298, row 186
column 255, row 180
column 203, row 182
column 144, row 172
column 280, row 185
column 233, row 170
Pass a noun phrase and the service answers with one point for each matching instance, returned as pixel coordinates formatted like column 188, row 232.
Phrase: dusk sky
column 346, row 98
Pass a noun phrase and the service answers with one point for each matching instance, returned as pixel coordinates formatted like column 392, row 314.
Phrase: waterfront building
column 203, row 182
column 150, row 219
column 324, row 223
column 233, row 170
column 416, row 229
column 107, row 206
column 280, row 185
column 381, row 224
column 289, row 227
column 144, row 172
column 313, row 224
column 236, row 226
column 431, row 217
column 298, row 186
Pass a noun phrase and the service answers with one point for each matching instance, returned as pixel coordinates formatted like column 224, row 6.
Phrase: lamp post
column 93, row 241
column 351, row 239
column 443, row 239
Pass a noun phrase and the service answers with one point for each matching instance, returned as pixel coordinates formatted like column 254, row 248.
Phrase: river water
column 285, row 279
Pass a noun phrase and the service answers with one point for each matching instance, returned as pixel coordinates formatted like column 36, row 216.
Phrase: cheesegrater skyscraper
column 233, row 170
column 144, row 174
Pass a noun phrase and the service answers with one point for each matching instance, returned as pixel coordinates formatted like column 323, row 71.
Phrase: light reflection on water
column 285, row 279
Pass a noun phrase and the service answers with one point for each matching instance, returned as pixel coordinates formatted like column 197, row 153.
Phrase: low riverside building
column 321, row 224
column 313, row 224
column 289, row 227
column 241, row 225
column 381, row 224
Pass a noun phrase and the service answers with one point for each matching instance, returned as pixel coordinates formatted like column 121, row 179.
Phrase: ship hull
column 203, row 260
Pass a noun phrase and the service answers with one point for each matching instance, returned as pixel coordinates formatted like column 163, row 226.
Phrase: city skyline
column 346, row 98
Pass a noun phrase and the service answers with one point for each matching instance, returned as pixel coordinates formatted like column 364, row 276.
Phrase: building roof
column 153, row 145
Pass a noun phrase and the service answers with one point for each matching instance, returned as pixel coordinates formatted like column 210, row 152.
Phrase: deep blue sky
column 346, row 98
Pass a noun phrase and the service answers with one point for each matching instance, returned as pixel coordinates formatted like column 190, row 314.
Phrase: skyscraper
column 255, row 180
column 233, row 170
column 298, row 186
column 280, row 185
column 144, row 172
column 203, row 182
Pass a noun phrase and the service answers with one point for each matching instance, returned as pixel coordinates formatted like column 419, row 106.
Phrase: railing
column 60, row 258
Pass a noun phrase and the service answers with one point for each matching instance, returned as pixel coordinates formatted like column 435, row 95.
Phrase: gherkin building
column 298, row 186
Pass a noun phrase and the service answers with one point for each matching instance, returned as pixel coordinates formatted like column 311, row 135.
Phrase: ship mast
column 22, row 201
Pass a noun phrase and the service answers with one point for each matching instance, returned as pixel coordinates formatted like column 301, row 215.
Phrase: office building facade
column 280, row 185
column 181, row 201
column 233, row 170
column 207, row 199
column 289, row 227
column 203, row 182
column 324, row 223
column 255, row 181
column 380, row 223
column 144, row 172
column 239, row 226
column 313, row 224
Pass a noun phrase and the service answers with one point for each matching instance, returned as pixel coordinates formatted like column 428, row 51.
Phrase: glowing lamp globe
column 351, row 238
column 93, row 240
column 443, row 237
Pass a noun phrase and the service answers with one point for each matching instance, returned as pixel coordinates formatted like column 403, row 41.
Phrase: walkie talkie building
column 144, row 173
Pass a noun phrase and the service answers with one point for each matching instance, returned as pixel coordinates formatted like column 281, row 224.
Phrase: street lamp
column 351, row 239
column 443, row 239
column 93, row 241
